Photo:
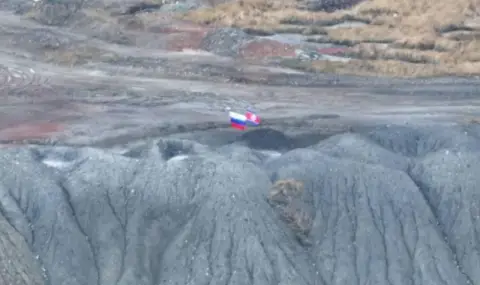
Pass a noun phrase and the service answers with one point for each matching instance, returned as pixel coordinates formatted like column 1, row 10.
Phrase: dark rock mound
column 374, row 205
column 450, row 182
column 421, row 141
column 361, row 149
column 56, row 13
column 18, row 265
column 225, row 41
column 17, row 6
column 141, row 7
column 328, row 5
column 166, row 149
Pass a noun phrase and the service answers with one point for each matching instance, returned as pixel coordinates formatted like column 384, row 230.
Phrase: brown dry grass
column 381, row 67
column 286, row 195
column 297, row 219
column 414, row 17
column 407, row 37
column 284, row 191
column 417, row 32
column 75, row 56
column 259, row 14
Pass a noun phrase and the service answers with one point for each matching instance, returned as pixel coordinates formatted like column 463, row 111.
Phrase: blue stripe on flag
column 237, row 121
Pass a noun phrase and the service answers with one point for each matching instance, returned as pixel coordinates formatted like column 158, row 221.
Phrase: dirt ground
column 118, row 164
column 85, row 82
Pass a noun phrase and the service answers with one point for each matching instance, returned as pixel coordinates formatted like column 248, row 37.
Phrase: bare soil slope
column 393, row 205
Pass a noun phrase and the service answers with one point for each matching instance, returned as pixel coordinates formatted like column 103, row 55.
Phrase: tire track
column 17, row 80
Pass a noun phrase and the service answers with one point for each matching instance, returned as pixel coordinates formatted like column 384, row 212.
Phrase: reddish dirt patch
column 333, row 50
column 163, row 29
column 178, row 28
column 30, row 131
column 267, row 48
column 186, row 40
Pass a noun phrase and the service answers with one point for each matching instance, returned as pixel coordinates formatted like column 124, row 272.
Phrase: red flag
column 251, row 117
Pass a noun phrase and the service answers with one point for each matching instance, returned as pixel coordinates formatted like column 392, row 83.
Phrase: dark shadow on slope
column 267, row 139
column 271, row 139
column 171, row 148
column 65, row 154
column 328, row 5
column 142, row 7
column 166, row 148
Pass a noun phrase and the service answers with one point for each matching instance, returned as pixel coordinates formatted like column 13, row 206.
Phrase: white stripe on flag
column 237, row 116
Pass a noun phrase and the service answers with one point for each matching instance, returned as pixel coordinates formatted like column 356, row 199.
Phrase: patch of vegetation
column 75, row 55
column 284, row 191
column 394, row 68
column 400, row 38
column 260, row 14
column 285, row 196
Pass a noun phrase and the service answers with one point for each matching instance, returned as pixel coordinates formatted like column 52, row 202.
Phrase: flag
column 238, row 121
column 252, row 118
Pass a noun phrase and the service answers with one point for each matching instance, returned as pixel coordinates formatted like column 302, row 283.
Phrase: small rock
column 225, row 41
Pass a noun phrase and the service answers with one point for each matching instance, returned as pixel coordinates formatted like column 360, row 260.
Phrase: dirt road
column 112, row 90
